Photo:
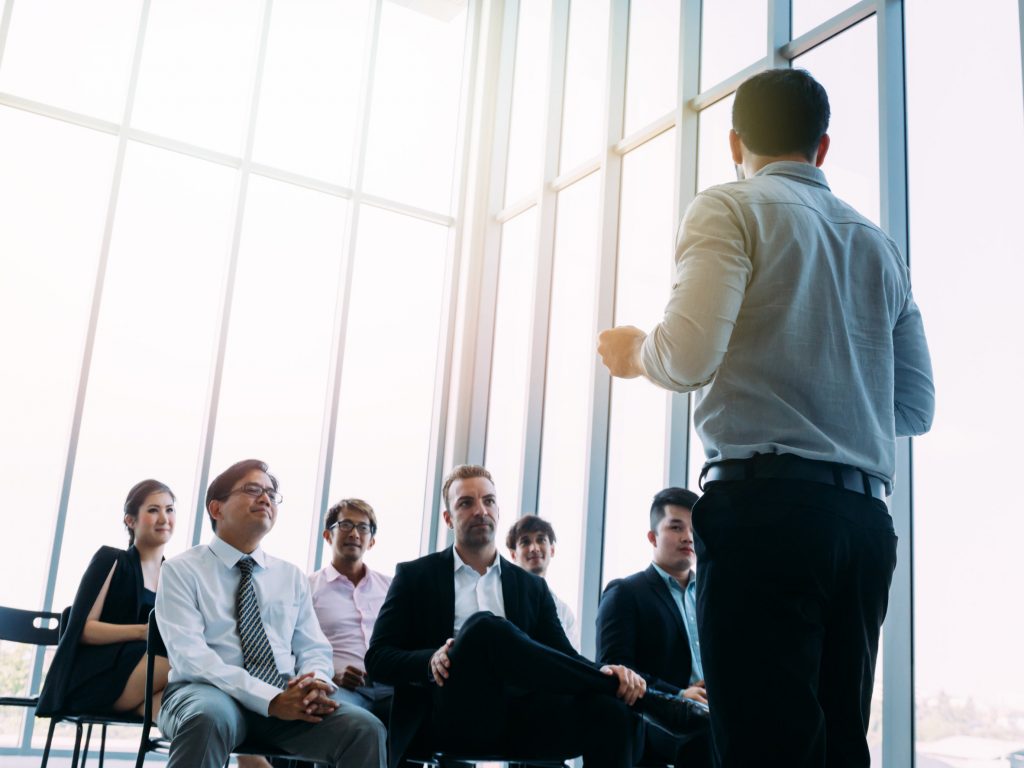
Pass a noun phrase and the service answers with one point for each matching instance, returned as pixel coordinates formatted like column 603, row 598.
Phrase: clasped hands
column 631, row 685
column 306, row 698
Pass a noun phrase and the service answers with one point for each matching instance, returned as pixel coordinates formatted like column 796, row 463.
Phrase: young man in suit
column 478, row 657
column 648, row 622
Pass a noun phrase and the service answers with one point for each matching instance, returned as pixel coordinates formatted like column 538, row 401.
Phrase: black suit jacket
column 418, row 616
column 639, row 626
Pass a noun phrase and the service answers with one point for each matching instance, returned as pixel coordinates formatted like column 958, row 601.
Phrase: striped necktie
column 256, row 650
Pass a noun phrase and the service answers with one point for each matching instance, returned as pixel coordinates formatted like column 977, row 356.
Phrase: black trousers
column 792, row 588
column 508, row 695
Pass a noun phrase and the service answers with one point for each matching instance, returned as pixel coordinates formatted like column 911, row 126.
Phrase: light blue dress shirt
column 686, row 602
column 795, row 315
column 195, row 606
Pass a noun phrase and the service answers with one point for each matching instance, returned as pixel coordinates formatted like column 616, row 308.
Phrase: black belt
column 785, row 466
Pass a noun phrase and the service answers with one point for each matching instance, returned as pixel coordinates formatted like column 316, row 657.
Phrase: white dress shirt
column 474, row 592
column 568, row 620
column 195, row 606
column 347, row 611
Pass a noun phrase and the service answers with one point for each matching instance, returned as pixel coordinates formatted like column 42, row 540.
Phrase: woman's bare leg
column 252, row 761
column 133, row 696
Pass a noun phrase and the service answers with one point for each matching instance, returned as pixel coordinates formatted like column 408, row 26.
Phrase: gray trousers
column 204, row 725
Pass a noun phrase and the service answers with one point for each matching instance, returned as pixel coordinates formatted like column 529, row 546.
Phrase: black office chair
column 29, row 628
column 84, row 723
column 160, row 744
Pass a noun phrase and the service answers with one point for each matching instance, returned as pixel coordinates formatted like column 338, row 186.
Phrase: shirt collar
column 332, row 574
column 670, row 580
column 460, row 563
column 794, row 169
column 230, row 556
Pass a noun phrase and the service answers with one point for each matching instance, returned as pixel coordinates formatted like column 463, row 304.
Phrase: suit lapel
column 444, row 586
column 660, row 588
column 510, row 593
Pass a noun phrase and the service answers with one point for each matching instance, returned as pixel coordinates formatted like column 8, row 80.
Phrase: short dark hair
column 781, row 111
column 528, row 524
column 356, row 505
column 137, row 496
column 220, row 487
column 680, row 497
column 462, row 472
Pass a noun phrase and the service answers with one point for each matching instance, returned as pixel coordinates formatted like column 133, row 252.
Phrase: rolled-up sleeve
column 683, row 352
column 913, row 387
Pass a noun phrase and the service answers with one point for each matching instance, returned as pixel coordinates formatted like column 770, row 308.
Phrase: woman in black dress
column 100, row 663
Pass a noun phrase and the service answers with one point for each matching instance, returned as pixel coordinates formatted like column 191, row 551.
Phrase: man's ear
column 651, row 537
column 823, row 146
column 551, row 550
column 512, row 556
column 327, row 537
column 736, row 147
column 447, row 518
column 373, row 540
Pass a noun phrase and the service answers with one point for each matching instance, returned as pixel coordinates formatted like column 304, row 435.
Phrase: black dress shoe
column 680, row 716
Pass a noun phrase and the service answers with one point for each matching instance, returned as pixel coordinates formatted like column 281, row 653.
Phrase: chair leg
column 49, row 741
column 78, row 744
column 85, row 749
column 103, row 743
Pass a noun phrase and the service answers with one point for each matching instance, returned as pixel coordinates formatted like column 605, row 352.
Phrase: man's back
column 823, row 306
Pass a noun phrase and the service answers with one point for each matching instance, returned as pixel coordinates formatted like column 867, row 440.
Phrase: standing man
column 480, row 662
column 531, row 544
column 795, row 315
column 347, row 597
column 648, row 622
column 248, row 659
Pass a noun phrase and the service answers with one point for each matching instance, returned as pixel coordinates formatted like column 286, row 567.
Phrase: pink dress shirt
column 347, row 612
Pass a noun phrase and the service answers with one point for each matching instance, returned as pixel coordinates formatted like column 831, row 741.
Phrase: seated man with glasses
column 248, row 659
column 347, row 597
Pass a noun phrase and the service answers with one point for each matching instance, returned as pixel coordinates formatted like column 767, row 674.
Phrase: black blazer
column 418, row 616
column 122, row 606
column 639, row 626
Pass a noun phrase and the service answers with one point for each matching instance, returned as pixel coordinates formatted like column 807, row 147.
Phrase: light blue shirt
column 686, row 602
column 795, row 315
column 195, row 606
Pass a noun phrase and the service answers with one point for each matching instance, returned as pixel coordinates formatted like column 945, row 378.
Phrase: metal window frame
column 245, row 167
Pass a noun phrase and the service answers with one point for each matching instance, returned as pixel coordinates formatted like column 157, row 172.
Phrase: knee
column 482, row 624
column 360, row 730
column 207, row 716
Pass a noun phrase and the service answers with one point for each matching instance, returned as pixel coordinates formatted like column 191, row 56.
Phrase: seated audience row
column 461, row 652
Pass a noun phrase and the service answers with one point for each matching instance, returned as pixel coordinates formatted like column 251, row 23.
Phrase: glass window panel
column 54, row 190
column 851, row 166
column 529, row 89
column 387, row 387
column 410, row 153
column 653, row 63
column 714, row 158
column 506, row 408
column 807, row 14
column 638, row 438
column 278, row 354
column 307, row 112
column 967, row 272
column 150, row 369
column 733, row 35
column 569, row 380
column 197, row 72
column 585, row 86
column 73, row 55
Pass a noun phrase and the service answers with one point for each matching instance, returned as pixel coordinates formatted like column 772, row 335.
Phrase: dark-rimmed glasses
column 256, row 490
column 347, row 526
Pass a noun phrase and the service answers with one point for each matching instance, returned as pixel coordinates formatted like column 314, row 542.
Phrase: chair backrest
column 32, row 627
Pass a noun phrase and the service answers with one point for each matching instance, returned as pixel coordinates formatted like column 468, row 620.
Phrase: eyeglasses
column 256, row 490
column 347, row 526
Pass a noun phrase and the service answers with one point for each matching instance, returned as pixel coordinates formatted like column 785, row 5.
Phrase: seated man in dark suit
column 478, row 657
column 648, row 622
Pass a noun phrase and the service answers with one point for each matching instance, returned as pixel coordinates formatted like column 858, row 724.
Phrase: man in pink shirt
column 347, row 597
